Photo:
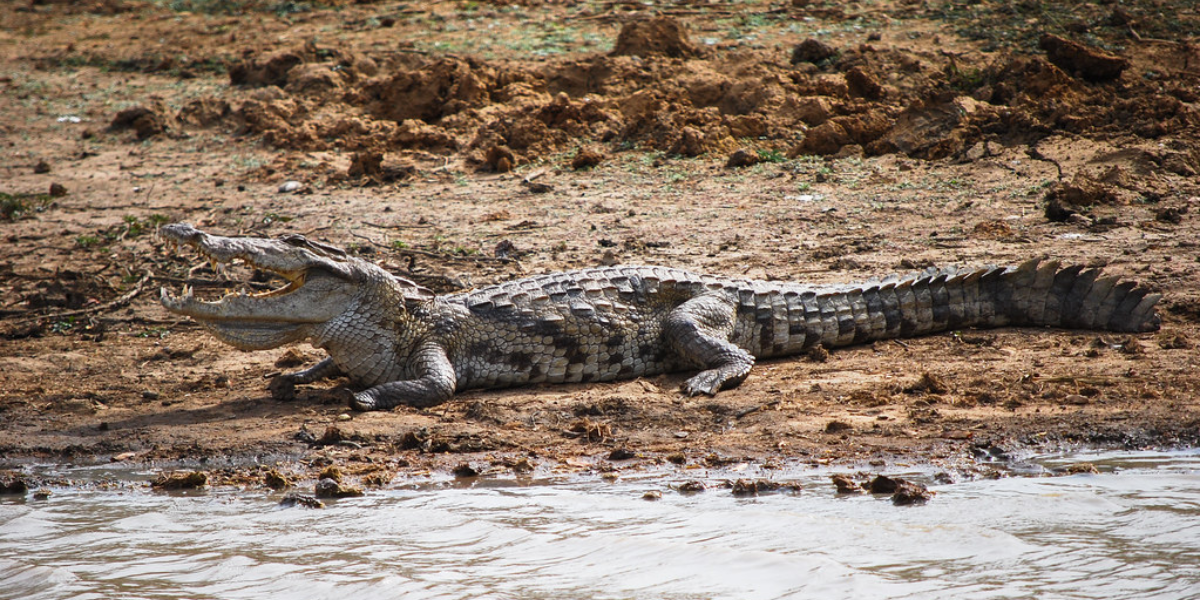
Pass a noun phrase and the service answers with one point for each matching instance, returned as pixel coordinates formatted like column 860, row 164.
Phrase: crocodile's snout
column 181, row 232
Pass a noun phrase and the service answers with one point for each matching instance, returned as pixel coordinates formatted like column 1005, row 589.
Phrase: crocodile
column 398, row 343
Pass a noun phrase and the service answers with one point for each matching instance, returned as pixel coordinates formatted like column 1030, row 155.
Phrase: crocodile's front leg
column 283, row 387
column 434, row 383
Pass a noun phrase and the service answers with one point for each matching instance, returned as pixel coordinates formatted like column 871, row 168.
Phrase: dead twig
column 754, row 409
column 122, row 300
column 398, row 226
column 1091, row 379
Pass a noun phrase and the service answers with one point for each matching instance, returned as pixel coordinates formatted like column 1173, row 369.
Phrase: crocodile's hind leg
column 699, row 331
column 283, row 387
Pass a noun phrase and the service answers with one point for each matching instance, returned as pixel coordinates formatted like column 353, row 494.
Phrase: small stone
column 331, row 472
column 301, row 500
column 537, row 187
column 332, row 436
column 742, row 157
column 754, row 487
column 587, row 157
column 180, row 481
column 909, row 492
column 837, row 426
column 41, row 167
column 465, row 470
column 652, row 495
column 500, row 159
column 845, row 484
column 328, row 488
column 12, row 483
column 812, row 51
column 1084, row 468
column 57, row 190
column 289, row 187
column 882, row 484
column 276, row 481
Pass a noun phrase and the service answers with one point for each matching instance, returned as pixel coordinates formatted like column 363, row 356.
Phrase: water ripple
column 1133, row 534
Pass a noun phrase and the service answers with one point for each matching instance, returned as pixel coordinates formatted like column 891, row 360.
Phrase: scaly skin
column 404, row 345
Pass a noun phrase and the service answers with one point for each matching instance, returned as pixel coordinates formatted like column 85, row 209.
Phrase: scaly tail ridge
column 1036, row 293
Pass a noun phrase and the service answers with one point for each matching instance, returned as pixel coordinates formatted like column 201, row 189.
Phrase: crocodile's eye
column 294, row 239
column 299, row 241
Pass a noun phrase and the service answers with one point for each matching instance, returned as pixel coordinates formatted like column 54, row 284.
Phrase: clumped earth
column 466, row 143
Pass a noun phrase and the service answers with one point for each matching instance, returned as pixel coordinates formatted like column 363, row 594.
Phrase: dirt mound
column 659, row 35
column 204, row 112
column 1092, row 64
column 657, row 90
column 146, row 121
column 444, row 87
column 263, row 71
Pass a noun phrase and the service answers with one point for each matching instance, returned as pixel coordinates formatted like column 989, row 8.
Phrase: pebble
column 288, row 187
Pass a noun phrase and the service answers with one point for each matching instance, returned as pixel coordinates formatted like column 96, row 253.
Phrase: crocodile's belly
column 562, row 349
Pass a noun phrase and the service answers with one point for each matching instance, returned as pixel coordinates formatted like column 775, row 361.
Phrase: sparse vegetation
column 773, row 156
column 17, row 206
column 87, row 241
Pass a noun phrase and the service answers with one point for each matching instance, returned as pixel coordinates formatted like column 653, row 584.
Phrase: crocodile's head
column 322, row 283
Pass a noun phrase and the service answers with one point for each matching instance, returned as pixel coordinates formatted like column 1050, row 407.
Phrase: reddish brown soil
column 466, row 143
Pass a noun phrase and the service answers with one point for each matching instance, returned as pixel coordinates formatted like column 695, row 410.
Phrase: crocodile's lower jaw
column 236, row 328
column 255, row 335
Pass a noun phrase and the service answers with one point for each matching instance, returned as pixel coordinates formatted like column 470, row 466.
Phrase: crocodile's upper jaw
column 321, row 285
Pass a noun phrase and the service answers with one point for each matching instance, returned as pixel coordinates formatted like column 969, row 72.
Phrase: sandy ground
column 467, row 143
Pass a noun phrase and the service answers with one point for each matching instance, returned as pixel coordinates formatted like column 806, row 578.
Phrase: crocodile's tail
column 1036, row 293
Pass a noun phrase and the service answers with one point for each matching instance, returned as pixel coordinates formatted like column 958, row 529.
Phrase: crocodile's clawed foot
column 363, row 402
column 707, row 383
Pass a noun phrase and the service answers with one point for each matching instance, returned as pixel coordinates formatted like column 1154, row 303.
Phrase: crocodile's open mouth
column 186, row 301
column 317, row 286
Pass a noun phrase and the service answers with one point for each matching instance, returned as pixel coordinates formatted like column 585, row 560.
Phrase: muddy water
column 1132, row 531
